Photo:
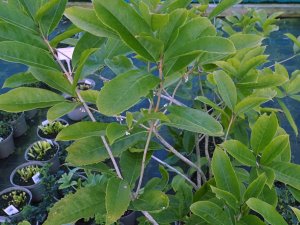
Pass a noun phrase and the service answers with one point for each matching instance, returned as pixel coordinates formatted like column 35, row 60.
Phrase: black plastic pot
column 42, row 137
column 16, row 216
column 19, row 125
column 37, row 190
column 7, row 146
column 55, row 164
column 128, row 219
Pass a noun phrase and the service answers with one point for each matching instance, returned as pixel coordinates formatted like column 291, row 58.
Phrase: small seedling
column 26, row 173
column 52, row 128
column 16, row 198
column 39, row 149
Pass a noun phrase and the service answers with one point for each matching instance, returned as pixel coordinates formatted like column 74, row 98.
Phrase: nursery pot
column 7, row 146
column 19, row 125
column 16, row 216
column 55, row 164
column 43, row 137
column 37, row 189
column 77, row 114
column 89, row 82
column 128, row 219
column 4, row 219
column 31, row 113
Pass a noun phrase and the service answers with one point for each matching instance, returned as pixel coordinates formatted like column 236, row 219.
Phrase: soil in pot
column 49, row 130
column 5, row 131
column 17, row 120
column 41, row 151
column 7, row 145
column 16, row 198
column 26, row 176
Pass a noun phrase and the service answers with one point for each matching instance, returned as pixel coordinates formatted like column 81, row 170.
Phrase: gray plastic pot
column 44, row 138
column 78, row 114
column 129, row 219
column 16, row 216
column 37, row 190
column 4, row 219
column 19, row 125
column 89, row 81
column 31, row 113
column 55, row 164
column 7, row 146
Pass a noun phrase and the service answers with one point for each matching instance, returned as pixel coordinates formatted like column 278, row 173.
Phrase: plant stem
column 229, row 127
column 283, row 61
column 175, row 170
column 198, row 159
column 207, row 155
column 150, row 218
column 161, row 86
column 180, row 156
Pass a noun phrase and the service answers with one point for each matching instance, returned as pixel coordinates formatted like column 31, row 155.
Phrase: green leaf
column 287, row 173
column 68, row 33
column 124, row 91
column 15, row 17
column 120, row 64
column 91, row 150
column 127, row 23
column 84, row 203
column 151, row 200
column 222, row 6
column 153, row 116
column 288, row 116
column 240, row 152
column 249, row 103
column 74, row 131
column 211, row 104
column 229, row 198
column 223, row 171
column 61, row 109
column 170, row 5
column 264, row 81
column 158, row 21
column 211, row 213
column 226, row 88
column 29, row 55
column 194, row 120
column 54, row 79
column 9, row 32
column 296, row 211
column 267, row 211
column 87, row 20
column 250, row 64
column 250, row 220
column 49, row 15
column 117, row 199
column 274, row 149
column 19, row 79
column 25, row 98
column 90, row 96
column 241, row 40
column 115, row 131
column 263, row 132
column 256, row 187
column 295, row 192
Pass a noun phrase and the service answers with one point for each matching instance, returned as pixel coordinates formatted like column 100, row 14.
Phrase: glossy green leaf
column 211, row 213
column 68, row 33
column 241, row 40
column 25, row 98
column 54, row 79
column 194, row 120
column 90, row 96
column 264, row 81
column 288, row 116
column 120, row 64
column 274, row 149
column 224, row 174
column 296, row 211
column 84, row 203
column 240, row 152
column 91, row 150
column 117, row 199
column 287, row 173
column 124, row 91
column 229, row 198
column 211, row 104
column 87, row 20
column 295, row 192
column 267, row 211
column 60, row 110
column 29, row 55
column 251, row 64
column 222, row 6
column 226, row 88
column 263, row 132
column 250, row 220
column 170, row 5
column 256, row 187
column 151, row 200
column 249, row 103
column 74, row 131
column 115, row 131
column 19, row 79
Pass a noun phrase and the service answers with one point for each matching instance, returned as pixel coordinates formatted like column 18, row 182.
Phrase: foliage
column 173, row 42
column 52, row 128
column 5, row 130
column 26, row 173
column 39, row 149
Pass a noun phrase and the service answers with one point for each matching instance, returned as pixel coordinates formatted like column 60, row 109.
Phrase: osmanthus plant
column 174, row 40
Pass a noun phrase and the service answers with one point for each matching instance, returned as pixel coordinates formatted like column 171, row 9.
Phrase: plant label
column 87, row 82
column 44, row 123
column 50, row 142
column 36, row 178
column 1, row 139
column 11, row 210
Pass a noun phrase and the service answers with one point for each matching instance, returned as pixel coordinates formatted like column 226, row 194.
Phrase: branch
column 150, row 218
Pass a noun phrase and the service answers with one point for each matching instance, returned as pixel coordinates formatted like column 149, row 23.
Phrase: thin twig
column 161, row 85
column 283, row 61
column 150, row 218
column 198, row 159
column 175, row 170
column 229, row 126
column 207, row 155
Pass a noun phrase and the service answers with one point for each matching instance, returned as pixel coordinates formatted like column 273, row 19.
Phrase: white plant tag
column 50, row 142
column 44, row 123
column 36, row 178
column 11, row 210
column 1, row 139
column 87, row 82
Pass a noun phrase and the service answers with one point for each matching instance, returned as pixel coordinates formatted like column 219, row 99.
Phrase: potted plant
column 17, row 120
column 28, row 175
column 13, row 200
column 128, row 218
column 85, row 84
column 49, row 130
column 45, row 152
column 7, row 145
column 4, row 220
column 77, row 114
